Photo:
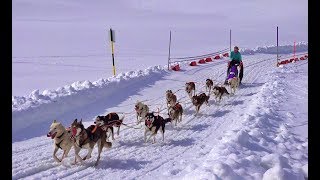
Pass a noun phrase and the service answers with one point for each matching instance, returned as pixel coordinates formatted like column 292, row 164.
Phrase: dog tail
column 167, row 120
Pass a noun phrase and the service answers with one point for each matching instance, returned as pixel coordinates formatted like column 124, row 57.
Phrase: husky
column 234, row 84
column 219, row 92
column 87, row 139
column 107, row 122
column 175, row 113
column 209, row 85
column 153, row 124
column 141, row 110
column 198, row 100
column 171, row 99
column 190, row 87
column 62, row 139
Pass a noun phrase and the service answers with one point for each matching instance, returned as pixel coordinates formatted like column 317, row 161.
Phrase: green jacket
column 236, row 56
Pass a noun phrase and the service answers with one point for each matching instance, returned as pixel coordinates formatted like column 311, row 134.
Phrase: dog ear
column 54, row 121
column 81, row 121
column 75, row 121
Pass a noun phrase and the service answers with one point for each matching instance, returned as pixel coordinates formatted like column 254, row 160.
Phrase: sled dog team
column 79, row 137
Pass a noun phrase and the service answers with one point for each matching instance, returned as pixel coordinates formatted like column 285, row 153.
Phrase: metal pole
column 277, row 47
column 230, row 40
column 169, row 50
column 294, row 50
column 112, row 50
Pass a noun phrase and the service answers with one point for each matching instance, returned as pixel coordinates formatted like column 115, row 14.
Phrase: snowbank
column 283, row 49
column 277, row 172
column 43, row 107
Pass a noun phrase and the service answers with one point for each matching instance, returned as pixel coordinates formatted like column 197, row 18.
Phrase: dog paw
column 84, row 158
column 108, row 144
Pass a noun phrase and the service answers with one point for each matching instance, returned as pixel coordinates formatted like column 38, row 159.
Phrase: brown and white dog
column 87, row 139
column 191, row 87
column 198, row 100
column 219, row 92
column 62, row 139
column 153, row 124
column 234, row 84
column 108, row 122
column 141, row 110
column 175, row 113
column 171, row 99
column 209, row 85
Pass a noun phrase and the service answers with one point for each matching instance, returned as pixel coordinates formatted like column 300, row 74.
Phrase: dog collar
column 61, row 135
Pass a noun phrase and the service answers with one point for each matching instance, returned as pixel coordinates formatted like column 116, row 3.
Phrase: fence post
column 294, row 50
column 230, row 41
column 169, row 51
column 277, row 49
column 112, row 50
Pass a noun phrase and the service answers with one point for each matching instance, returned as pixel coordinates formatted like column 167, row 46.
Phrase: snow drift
column 39, row 108
column 283, row 49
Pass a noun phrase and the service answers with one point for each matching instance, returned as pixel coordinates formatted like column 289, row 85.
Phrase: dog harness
column 58, row 145
column 177, row 106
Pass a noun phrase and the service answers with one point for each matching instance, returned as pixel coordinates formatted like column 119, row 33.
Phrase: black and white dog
column 153, row 124
column 107, row 122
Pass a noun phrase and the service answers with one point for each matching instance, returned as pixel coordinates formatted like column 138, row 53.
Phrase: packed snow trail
column 186, row 146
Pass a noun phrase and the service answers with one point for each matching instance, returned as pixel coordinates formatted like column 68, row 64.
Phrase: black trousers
column 240, row 74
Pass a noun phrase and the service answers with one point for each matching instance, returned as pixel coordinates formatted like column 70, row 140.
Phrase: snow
column 56, row 43
column 247, row 136
column 305, row 170
column 62, row 70
column 282, row 49
column 63, row 102
column 280, row 173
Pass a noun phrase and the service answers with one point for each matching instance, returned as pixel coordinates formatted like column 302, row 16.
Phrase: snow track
column 189, row 141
